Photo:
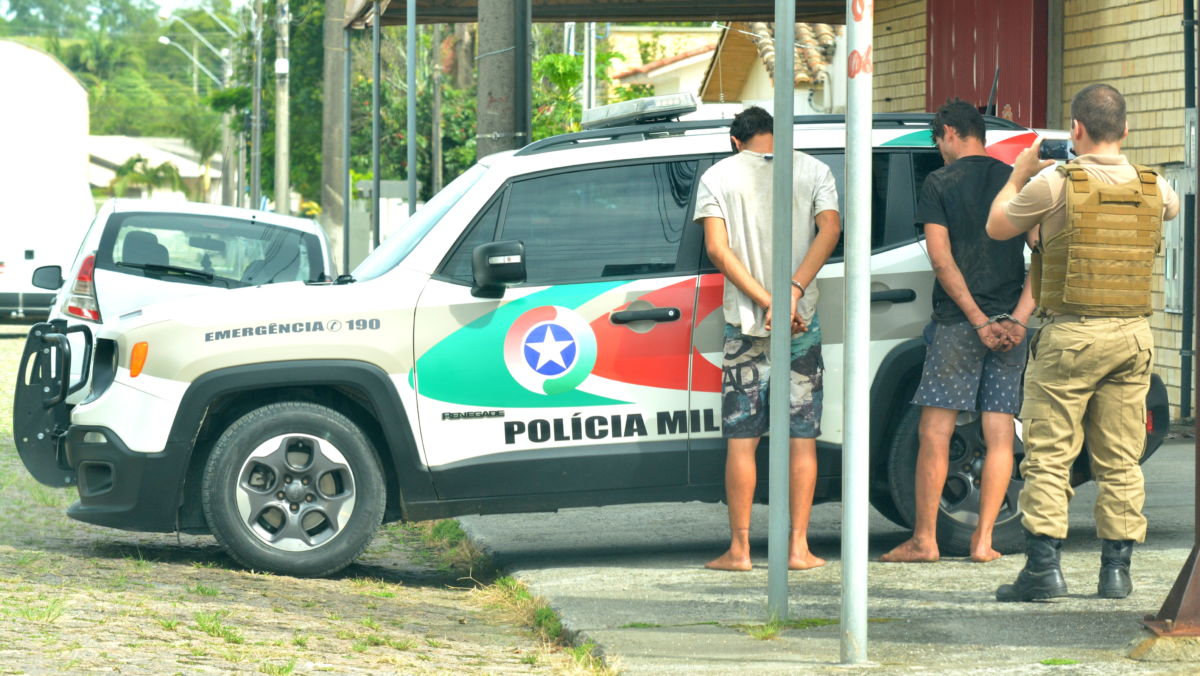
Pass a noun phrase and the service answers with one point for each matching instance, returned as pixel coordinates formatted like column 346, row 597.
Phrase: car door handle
column 894, row 296
column 658, row 314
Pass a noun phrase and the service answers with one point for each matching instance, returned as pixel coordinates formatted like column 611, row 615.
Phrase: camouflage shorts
column 746, row 374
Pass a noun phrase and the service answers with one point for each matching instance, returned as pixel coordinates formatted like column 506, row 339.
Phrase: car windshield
column 391, row 252
column 211, row 250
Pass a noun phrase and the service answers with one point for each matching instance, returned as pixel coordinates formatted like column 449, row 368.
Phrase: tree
column 137, row 172
column 200, row 127
column 48, row 17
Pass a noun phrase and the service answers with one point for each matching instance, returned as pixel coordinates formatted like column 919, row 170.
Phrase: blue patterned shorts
column 962, row 374
column 746, row 376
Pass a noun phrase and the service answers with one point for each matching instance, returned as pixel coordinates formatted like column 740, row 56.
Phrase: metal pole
column 856, row 452
column 228, row 172
column 283, row 178
column 522, row 72
column 195, row 33
column 436, row 136
column 376, row 74
column 588, row 97
column 779, row 519
column 347, row 187
column 256, row 118
column 410, row 136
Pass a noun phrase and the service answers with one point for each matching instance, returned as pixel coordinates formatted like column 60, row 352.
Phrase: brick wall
column 899, row 56
column 1134, row 45
column 1137, row 47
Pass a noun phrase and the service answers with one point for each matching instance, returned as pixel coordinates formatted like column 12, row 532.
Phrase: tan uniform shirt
column 1042, row 199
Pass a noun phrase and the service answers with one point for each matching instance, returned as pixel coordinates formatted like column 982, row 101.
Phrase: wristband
column 798, row 286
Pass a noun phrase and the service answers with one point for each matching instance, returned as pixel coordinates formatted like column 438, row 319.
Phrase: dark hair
column 1100, row 108
column 750, row 123
column 962, row 117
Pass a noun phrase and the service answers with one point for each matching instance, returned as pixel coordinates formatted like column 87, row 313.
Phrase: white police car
column 545, row 333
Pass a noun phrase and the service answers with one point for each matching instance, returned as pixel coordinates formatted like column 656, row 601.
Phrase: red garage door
column 968, row 39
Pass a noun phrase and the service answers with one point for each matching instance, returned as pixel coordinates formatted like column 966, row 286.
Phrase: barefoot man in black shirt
column 975, row 344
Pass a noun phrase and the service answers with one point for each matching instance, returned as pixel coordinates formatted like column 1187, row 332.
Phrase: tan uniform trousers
column 1087, row 377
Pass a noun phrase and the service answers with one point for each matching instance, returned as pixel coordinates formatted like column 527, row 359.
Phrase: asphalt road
column 631, row 579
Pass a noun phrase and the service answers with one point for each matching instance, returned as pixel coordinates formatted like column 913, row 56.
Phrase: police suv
column 545, row 333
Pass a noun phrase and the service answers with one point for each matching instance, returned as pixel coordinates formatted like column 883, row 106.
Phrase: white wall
column 45, row 202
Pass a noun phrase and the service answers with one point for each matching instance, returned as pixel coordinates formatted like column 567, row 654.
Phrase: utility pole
column 256, row 118
column 282, row 167
column 504, row 75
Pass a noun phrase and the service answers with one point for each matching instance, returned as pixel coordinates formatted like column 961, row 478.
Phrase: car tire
column 958, row 510
column 293, row 488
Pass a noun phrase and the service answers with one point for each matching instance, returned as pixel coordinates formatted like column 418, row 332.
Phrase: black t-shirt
column 959, row 197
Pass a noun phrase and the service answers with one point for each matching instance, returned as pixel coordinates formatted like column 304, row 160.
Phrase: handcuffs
column 999, row 318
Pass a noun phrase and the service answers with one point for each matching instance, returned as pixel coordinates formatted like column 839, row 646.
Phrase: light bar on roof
column 640, row 111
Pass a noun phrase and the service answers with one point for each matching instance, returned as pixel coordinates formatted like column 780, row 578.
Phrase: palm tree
column 200, row 127
column 137, row 172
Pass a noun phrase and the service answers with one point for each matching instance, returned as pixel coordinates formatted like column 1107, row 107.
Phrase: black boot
column 1115, row 557
column 1042, row 577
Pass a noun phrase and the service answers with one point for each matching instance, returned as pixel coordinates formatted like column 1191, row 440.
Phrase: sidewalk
column 630, row 579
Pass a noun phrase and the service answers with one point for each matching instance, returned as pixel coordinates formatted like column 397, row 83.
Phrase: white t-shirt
column 739, row 190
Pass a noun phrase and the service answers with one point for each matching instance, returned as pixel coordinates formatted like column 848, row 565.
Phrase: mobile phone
column 1054, row 149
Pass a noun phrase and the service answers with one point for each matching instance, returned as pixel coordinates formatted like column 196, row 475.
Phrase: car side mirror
column 48, row 277
column 497, row 265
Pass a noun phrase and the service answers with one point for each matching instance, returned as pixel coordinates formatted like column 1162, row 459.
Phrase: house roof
column 109, row 152
column 664, row 62
column 743, row 44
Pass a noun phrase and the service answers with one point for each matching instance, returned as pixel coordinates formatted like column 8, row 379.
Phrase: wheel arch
column 891, row 390
column 361, row 391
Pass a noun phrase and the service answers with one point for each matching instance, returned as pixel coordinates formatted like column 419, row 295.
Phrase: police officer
column 1089, row 368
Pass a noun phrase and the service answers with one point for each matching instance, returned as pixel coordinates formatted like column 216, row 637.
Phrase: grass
column 513, row 596
column 277, row 668
column 44, row 614
column 204, row 590
column 169, row 625
column 213, row 624
column 771, row 630
column 1058, row 661
column 639, row 625
column 444, row 546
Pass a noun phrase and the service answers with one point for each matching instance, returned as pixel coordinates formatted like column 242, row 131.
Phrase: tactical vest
column 1102, row 262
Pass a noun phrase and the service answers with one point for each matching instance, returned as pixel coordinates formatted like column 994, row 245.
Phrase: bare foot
column 985, row 555
column 805, row 561
column 728, row 561
column 982, row 552
column 910, row 551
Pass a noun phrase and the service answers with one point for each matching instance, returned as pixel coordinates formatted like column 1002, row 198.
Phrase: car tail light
column 82, row 302
column 1149, row 422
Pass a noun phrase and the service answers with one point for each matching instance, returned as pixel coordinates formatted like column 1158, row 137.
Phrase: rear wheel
column 293, row 488
column 958, row 510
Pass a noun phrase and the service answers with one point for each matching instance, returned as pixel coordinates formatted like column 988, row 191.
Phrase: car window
column 205, row 249
column 602, row 223
column 401, row 243
column 458, row 265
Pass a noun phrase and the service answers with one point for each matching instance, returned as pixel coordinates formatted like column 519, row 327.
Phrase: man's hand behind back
column 994, row 337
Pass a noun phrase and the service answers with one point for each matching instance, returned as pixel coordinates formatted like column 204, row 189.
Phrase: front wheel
column 958, row 510
column 293, row 488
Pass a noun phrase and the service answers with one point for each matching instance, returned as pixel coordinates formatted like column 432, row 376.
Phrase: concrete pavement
column 630, row 578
